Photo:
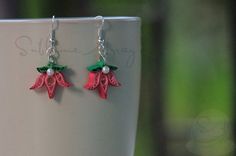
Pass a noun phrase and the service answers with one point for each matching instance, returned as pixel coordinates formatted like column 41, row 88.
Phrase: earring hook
column 51, row 51
column 100, row 25
column 53, row 21
column 52, row 38
column 101, row 47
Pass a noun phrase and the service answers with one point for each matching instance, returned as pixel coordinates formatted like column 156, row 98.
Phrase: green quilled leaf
column 112, row 67
column 99, row 65
column 55, row 67
column 42, row 69
column 58, row 68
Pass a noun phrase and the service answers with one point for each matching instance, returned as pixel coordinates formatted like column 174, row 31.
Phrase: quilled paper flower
column 50, row 77
column 100, row 77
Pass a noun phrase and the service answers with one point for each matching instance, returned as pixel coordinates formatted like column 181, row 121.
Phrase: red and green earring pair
column 101, row 74
column 100, row 77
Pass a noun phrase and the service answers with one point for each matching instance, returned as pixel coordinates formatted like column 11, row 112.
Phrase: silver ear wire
column 51, row 51
column 100, row 46
column 52, row 37
column 100, row 25
column 53, row 21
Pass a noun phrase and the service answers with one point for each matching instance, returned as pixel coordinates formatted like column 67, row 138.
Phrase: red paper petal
column 60, row 80
column 39, row 81
column 112, row 79
column 50, row 82
column 93, row 80
column 103, row 86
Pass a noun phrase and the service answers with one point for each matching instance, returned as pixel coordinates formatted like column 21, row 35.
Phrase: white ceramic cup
column 77, row 122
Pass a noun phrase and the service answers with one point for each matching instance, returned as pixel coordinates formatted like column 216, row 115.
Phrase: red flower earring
column 51, row 75
column 101, row 75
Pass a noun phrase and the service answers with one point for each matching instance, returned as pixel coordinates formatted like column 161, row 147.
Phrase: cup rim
column 70, row 19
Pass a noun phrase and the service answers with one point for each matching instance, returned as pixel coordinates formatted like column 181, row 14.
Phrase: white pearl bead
column 105, row 69
column 50, row 72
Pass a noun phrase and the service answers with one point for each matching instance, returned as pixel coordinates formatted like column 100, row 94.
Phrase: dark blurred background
column 189, row 56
